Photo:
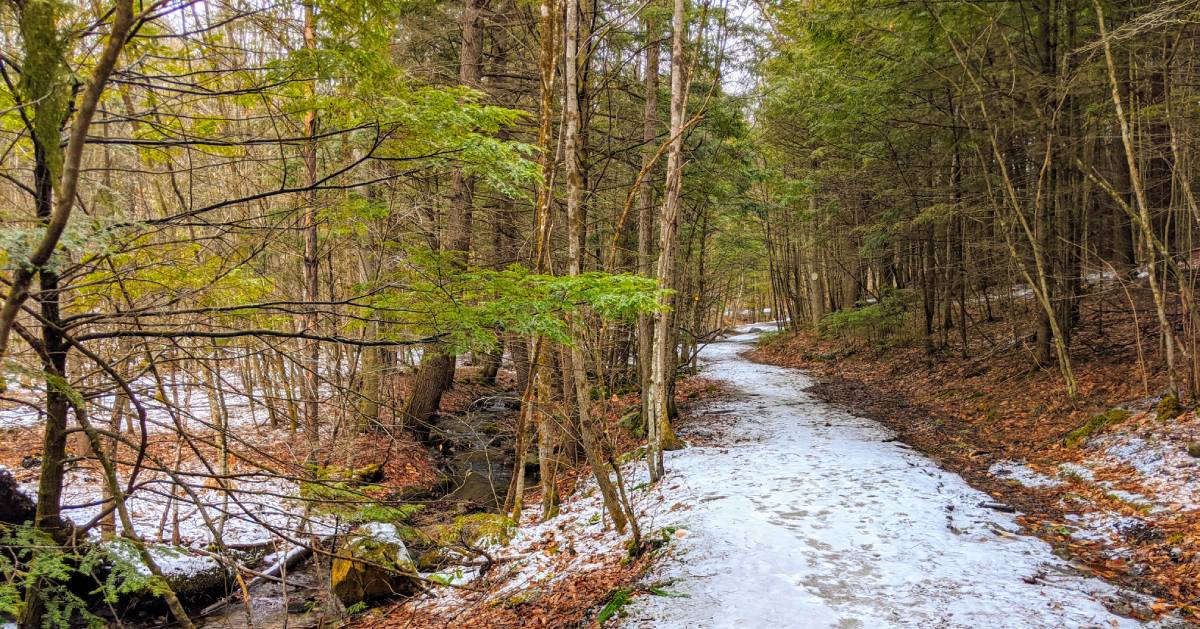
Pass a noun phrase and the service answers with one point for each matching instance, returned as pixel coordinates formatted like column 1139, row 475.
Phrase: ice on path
column 811, row 519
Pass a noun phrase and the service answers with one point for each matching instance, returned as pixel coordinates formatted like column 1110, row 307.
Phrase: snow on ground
column 191, row 404
column 1142, row 462
column 258, row 510
column 1022, row 474
column 542, row 553
column 813, row 518
column 1157, row 453
column 258, row 507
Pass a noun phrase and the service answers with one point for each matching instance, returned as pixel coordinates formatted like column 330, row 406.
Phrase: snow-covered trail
column 807, row 516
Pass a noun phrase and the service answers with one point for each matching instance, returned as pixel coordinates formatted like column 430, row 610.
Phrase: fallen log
column 272, row 574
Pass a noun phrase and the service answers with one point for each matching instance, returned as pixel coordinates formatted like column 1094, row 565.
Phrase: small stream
column 478, row 464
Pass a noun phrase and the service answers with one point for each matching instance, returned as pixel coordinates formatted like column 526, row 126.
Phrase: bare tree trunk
column 312, row 348
column 663, row 358
column 436, row 373
column 53, row 213
column 48, row 515
column 816, row 287
column 533, row 411
column 575, row 261
column 645, row 331
column 1143, row 210
column 489, row 367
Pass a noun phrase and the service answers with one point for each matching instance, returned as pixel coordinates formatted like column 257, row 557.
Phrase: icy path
column 807, row 517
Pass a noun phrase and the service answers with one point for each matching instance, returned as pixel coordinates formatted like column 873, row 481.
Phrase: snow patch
column 1022, row 474
column 542, row 553
column 1157, row 452
column 1075, row 470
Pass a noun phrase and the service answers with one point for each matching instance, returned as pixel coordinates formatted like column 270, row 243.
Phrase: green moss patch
column 1167, row 408
column 1097, row 424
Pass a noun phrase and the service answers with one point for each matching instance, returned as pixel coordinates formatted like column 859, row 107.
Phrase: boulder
column 196, row 577
column 1167, row 408
column 462, row 538
column 474, row 530
column 373, row 564
column 190, row 576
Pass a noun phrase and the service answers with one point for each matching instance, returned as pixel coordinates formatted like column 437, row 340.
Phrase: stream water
column 806, row 516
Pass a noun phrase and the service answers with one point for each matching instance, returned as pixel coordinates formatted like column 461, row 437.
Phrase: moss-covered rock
column 1097, row 424
column 1167, row 408
column 493, row 428
column 370, row 473
column 476, row 529
column 1193, row 449
column 373, row 564
column 448, row 542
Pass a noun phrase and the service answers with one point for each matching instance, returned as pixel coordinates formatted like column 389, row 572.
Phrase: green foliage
column 445, row 578
column 618, row 599
column 770, row 337
column 128, row 574
column 874, row 322
column 185, row 270
column 469, row 307
column 28, row 555
column 633, row 422
column 353, row 83
column 656, row 590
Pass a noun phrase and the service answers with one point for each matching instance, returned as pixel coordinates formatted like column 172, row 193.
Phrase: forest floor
column 554, row 570
column 259, row 510
column 786, row 506
column 1122, row 501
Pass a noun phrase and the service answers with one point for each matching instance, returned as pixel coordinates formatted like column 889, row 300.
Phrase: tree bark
column 575, row 214
column 436, row 373
column 645, row 329
column 312, row 348
column 663, row 358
